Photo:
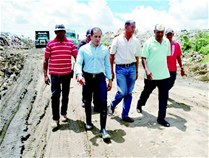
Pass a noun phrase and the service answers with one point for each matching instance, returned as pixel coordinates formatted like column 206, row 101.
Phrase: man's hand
column 80, row 79
column 109, row 86
column 46, row 80
column 182, row 72
column 149, row 75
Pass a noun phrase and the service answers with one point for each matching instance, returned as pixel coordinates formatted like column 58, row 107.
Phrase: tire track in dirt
column 18, row 105
column 71, row 138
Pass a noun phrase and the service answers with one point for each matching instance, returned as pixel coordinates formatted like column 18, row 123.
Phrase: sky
column 24, row 17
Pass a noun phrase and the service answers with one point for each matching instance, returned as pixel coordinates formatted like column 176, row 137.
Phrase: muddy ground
column 25, row 115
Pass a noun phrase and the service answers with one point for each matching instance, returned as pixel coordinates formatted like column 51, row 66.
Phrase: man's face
column 60, row 34
column 88, row 38
column 96, row 37
column 130, row 28
column 169, row 36
column 158, row 35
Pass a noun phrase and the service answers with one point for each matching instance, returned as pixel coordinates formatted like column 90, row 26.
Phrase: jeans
column 97, row 85
column 172, row 79
column 149, row 86
column 126, row 77
column 58, row 84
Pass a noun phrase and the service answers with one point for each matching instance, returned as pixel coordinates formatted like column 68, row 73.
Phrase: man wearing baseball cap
column 87, row 40
column 58, row 56
column 175, row 55
column 154, row 60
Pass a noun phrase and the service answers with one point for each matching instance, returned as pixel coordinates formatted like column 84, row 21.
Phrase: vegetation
column 198, row 42
column 205, row 59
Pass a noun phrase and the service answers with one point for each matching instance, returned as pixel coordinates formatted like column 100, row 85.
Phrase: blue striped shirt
column 96, row 60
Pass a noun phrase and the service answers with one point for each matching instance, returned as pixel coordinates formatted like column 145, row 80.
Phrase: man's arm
column 137, row 66
column 78, row 68
column 112, row 58
column 45, row 69
column 148, row 73
column 180, row 64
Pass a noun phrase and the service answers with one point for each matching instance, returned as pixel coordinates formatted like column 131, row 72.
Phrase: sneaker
column 54, row 124
column 64, row 118
column 105, row 135
column 128, row 119
column 88, row 127
column 110, row 110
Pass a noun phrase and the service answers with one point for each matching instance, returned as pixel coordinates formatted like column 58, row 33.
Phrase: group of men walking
column 95, row 63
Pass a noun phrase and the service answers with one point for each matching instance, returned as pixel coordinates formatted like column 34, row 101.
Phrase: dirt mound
column 8, row 40
column 11, row 64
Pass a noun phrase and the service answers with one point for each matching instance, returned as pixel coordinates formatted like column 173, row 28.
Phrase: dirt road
column 25, row 115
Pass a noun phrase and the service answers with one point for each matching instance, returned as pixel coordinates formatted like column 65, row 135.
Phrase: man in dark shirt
column 87, row 40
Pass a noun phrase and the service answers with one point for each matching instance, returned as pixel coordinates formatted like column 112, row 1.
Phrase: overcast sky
column 23, row 17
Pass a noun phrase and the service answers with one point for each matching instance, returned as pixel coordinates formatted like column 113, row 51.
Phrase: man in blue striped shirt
column 96, row 69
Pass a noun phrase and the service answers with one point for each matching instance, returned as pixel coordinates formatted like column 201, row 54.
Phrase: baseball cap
column 169, row 30
column 59, row 27
column 159, row 27
column 88, row 32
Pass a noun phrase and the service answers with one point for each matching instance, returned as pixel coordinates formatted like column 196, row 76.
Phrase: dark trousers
column 95, row 100
column 149, row 86
column 172, row 79
column 58, row 84
column 95, row 84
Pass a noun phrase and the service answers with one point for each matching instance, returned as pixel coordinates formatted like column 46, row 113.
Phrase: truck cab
column 71, row 35
column 41, row 38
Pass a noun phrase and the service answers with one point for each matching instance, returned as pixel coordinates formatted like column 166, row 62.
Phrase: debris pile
column 8, row 40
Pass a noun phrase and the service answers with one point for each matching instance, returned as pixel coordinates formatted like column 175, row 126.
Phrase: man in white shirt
column 124, row 53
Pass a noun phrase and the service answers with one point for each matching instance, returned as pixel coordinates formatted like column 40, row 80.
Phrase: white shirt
column 125, row 51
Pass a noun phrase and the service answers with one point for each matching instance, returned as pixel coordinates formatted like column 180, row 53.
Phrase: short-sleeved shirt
column 156, row 57
column 125, row 51
column 174, row 53
column 59, row 55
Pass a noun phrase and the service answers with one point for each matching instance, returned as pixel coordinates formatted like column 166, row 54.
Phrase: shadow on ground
column 173, row 104
column 148, row 120
column 78, row 126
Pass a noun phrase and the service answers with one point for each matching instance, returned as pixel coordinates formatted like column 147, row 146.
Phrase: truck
column 71, row 34
column 41, row 38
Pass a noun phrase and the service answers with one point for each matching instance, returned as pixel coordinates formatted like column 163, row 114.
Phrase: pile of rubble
column 11, row 59
column 11, row 64
column 8, row 40
column 194, row 67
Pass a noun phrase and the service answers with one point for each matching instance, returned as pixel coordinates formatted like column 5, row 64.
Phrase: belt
column 126, row 65
column 93, row 75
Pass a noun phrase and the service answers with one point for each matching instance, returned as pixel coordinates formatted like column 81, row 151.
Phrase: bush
column 205, row 50
column 198, row 42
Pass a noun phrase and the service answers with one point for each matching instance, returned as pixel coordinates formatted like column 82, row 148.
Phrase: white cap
column 60, row 27
column 159, row 27
column 169, row 30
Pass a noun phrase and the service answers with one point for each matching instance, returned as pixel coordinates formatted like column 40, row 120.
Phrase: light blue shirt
column 96, row 60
